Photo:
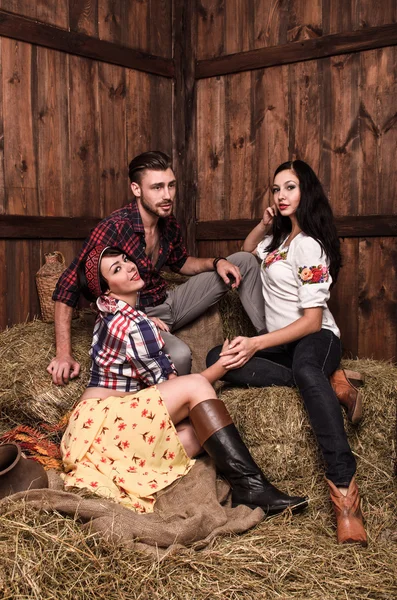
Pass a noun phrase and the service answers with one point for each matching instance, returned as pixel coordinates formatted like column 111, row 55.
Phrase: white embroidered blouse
column 295, row 277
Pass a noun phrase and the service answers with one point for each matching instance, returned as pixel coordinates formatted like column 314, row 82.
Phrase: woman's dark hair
column 153, row 160
column 82, row 279
column 314, row 215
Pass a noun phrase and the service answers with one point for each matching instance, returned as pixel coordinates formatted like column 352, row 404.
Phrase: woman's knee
column 305, row 374
column 213, row 356
column 199, row 385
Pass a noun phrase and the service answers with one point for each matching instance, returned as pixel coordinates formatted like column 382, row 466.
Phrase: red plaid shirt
column 127, row 349
column 124, row 229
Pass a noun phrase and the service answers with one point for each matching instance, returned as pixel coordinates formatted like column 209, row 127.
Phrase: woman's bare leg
column 181, row 394
column 188, row 438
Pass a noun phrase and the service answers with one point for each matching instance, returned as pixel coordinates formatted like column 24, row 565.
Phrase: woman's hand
column 224, row 359
column 159, row 323
column 238, row 352
column 268, row 215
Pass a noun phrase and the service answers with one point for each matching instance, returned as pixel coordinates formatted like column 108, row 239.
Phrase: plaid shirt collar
column 107, row 304
column 137, row 223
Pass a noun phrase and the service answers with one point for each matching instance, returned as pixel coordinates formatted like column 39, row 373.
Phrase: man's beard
column 152, row 211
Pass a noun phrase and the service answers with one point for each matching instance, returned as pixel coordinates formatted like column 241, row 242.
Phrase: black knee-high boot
column 219, row 437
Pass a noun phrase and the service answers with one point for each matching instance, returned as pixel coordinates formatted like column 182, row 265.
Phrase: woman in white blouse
column 298, row 246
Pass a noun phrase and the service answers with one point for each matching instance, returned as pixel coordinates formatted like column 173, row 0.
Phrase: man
column 147, row 231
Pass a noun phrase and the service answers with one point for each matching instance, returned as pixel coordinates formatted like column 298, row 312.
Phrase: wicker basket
column 46, row 280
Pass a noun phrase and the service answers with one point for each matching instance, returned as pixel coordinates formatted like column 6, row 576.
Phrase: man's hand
column 159, row 323
column 224, row 268
column 239, row 351
column 63, row 368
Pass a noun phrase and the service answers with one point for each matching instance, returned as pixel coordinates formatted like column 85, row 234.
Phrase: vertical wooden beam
column 184, row 121
column 3, row 189
column 112, row 140
column 210, row 200
column 19, row 122
column 52, row 131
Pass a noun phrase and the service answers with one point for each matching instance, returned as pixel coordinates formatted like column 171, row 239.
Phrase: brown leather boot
column 349, row 519
column 345, row 384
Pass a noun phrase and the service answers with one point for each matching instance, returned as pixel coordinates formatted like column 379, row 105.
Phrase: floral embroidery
column 274, row 256
column 319, row 274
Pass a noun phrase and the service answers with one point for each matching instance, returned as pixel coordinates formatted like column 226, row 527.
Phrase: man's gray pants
column 189, row 300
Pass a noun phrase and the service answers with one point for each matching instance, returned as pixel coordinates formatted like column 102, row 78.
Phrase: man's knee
column 244, row 261
column 180, row 354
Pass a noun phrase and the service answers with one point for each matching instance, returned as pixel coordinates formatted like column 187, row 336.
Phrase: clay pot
column 18, row 474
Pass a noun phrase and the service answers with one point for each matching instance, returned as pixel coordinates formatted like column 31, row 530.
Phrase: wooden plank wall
column 69, row 126
column 338, row 113
column 70, row 121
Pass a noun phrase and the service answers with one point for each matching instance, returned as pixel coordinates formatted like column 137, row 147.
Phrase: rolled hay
column 235, row 320
column 45, row 555
column 275, row 426
column 27, row 393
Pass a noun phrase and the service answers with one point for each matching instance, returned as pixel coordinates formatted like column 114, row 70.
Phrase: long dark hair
column 82, row 279
column 314, row 215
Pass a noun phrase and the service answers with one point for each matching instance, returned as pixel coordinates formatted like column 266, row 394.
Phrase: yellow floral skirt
column 125, row 448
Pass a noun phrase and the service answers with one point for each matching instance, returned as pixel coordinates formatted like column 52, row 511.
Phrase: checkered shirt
column 124, row 229
column 127, row 350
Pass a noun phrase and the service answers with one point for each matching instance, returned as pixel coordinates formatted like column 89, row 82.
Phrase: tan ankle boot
column 345, row 384
column 349, row 519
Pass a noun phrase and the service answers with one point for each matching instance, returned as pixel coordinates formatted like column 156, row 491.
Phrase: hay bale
column 27, row 393
column 235, row 320
column 275, row 426
column 45, row 555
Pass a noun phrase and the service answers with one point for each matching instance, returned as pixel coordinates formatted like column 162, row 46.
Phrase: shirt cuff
column 65, row 298
column 176, row 267
column 313, row 296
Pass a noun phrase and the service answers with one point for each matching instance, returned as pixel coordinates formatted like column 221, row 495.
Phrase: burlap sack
column 202, row 335
column 194, row 510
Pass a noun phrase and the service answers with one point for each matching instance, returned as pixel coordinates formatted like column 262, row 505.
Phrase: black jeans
column 306, row 364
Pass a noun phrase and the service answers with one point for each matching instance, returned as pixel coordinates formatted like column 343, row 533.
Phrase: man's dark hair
column 82, row 279
column 154, row 160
